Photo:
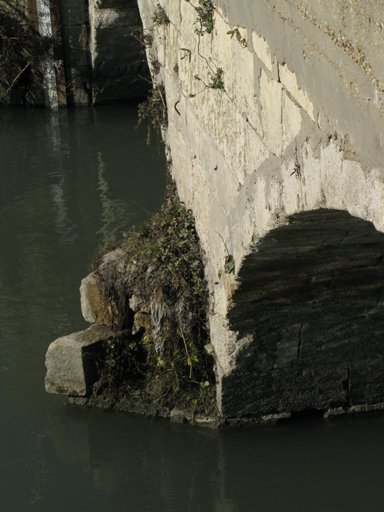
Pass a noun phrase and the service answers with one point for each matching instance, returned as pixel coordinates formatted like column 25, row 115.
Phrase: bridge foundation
column 309, row 314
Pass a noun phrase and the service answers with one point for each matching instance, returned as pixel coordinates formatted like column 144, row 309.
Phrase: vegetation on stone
column 205, row 16
column 154, row 108
column 144, row 37
column 168, row 244
column 216, row 79
column 206, row 21
column 161, row 362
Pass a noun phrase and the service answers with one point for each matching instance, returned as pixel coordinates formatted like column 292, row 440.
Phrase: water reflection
column 144, row 464
column 66, row 178
column 66, row 182
column 54, row 129
column 37, row 465
column 115, row 213
column 63, row 223
column 51, row 218
column 153, row 465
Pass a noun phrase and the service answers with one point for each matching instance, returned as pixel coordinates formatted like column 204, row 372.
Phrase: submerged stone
column 71, row 361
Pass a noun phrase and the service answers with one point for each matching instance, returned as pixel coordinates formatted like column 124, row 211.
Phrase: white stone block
column 289, row 81
column 261, row 48
column 271, row 113
column 292, row 121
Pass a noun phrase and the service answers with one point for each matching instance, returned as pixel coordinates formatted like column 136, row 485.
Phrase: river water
column 68, row 183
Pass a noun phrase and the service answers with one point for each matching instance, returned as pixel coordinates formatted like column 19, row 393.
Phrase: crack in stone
column 344, row 237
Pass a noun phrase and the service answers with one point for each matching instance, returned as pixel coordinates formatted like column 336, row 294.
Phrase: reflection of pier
column 63, row 223
column 114, row 214
column 145, row 465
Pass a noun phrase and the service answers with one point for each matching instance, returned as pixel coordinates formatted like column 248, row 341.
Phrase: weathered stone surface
column 299, row 323
column 88, row 290
column 95, row 307
column 75, row 39
column 136, row 303
column 199, row 420
column 71, row 361
column 310, row 302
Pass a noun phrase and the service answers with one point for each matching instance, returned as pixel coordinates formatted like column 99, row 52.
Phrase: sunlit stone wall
column 298, row 126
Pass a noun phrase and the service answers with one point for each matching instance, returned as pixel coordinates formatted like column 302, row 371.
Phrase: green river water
column 68, row 183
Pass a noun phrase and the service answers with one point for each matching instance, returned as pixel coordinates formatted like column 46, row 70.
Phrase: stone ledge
column 354, row 409
column 71, row 361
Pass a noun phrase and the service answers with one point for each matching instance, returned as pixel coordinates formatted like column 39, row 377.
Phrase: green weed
column 216, row 79
column 154, row 109
column 205, row 16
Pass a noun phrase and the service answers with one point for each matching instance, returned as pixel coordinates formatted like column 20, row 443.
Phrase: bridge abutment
column 275, row 132
column 310, row 303
column 288, row 144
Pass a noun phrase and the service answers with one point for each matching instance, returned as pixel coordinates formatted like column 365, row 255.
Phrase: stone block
column 281, row 390
column 366, row 384
column 71, row 361
column 289, row 81
column 260, row 47
column 88, row 291
column 271, row 102
column 115, row 54
column 95, row 308
column 291, row 121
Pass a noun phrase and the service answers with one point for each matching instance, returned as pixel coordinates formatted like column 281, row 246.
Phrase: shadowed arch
column 311, row 302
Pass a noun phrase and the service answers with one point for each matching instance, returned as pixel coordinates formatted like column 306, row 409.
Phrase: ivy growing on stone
column 216, row 81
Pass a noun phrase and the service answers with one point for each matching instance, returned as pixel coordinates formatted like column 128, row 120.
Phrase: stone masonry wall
column 116, row 56
column 298, row 126
column 102, row 60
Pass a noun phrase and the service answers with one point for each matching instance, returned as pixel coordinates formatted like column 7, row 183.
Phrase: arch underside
column 311, row 300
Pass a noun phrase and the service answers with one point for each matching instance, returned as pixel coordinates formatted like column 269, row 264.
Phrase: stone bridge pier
column 309, row 310
column 275, row 128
